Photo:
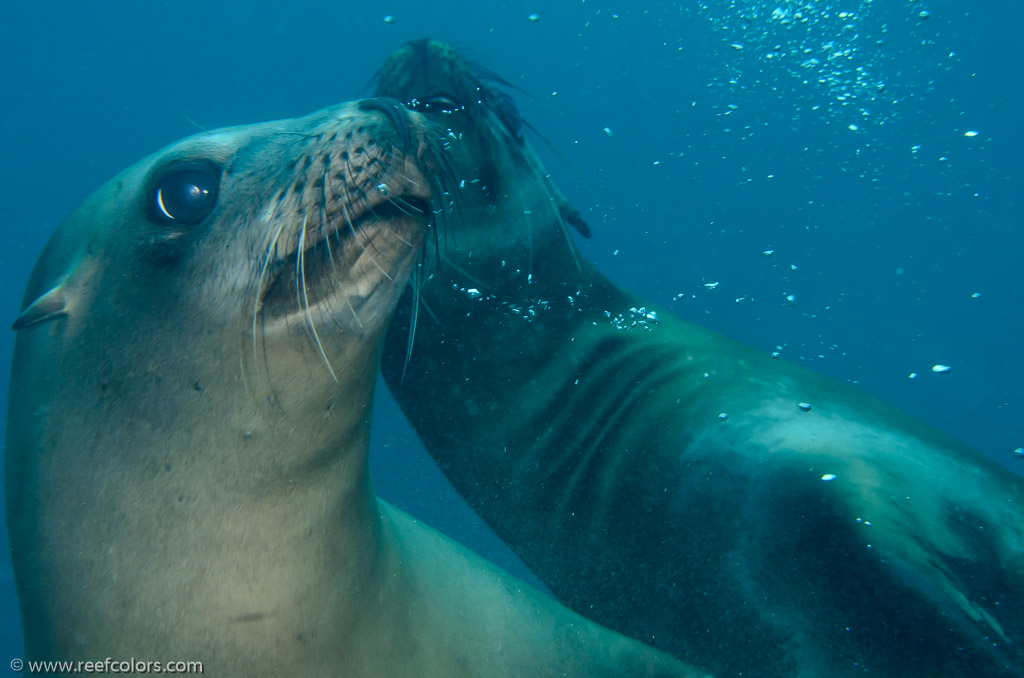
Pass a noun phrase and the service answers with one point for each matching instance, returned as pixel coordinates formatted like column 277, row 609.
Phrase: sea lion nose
column 397, row 114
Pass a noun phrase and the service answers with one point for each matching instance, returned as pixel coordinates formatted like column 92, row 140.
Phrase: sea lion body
column 187, row 437
column 674, row 484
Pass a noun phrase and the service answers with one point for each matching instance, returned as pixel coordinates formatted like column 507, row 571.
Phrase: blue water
column 873, row 151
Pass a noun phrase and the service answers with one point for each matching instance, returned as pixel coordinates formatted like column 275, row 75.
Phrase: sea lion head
column 232, row 278
column 434, row 76
column 506, row 205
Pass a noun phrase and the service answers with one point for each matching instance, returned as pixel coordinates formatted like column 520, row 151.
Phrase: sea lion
column 671, row 483
column 187, row 437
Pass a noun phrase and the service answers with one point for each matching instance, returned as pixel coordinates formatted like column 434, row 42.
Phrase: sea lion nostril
column 396, row 113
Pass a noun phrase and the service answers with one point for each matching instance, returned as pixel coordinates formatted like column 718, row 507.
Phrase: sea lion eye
column 186, row 196
column 437, row 102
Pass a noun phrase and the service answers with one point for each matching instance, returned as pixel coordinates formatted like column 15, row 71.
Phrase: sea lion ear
column 50, row 306
column 571, row 215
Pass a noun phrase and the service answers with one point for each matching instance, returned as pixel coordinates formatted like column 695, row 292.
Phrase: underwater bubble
column 840, row 55
column 829, row 477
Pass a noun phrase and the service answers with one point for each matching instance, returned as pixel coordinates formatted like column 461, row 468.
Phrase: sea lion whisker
column 351, row 224
column 398, row 236
column 414, row 314
column 297, row 283
column 380, row 268
column 437, row 228
column 344, row 200
column 354, row 314
column 257, row 304
column 463, row 272
column 301, row 271
column 327, row 244
column 368, row 243
column 544, row 181
column 447, row 186
column 347, row 201
column 406, row 207
column 326, row 229
column 425, row 305
column 438, row 211
column 323, row 218
column 272, row 215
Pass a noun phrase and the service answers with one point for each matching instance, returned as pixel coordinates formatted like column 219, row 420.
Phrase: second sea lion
column 670, row 482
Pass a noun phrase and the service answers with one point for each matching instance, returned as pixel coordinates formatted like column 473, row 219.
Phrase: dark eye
column 444, row 102
column 437, row 102
column 186, row 196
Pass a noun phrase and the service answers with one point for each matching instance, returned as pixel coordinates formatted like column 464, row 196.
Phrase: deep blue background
column 727, row 139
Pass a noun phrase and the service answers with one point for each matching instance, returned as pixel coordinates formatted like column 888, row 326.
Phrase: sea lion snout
column 397, row 114
column 342, row 232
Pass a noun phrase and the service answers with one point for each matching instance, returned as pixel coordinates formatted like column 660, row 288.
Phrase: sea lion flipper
column 50, row 306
